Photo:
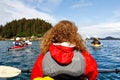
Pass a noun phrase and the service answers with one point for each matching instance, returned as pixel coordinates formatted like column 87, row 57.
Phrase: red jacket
column 58, row 52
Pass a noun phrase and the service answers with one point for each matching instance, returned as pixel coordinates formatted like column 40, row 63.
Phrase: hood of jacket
column 62, row 53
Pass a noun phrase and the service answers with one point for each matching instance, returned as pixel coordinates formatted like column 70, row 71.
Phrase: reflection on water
column 107, row 57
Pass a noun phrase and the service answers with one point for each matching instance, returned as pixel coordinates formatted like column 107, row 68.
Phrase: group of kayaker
column 64, row 55
column 18, row 42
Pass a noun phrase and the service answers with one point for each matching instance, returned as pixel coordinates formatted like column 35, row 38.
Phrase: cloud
column 101, row 30
column 43, row 5
column 82, row 3
column 10, row 10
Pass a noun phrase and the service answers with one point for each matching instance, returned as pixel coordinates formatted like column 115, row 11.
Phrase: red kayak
column 18, row 47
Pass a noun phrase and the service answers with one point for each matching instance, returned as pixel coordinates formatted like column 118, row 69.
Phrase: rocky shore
column 22, row 38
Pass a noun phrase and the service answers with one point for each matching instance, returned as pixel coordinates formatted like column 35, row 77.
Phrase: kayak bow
column 17, row 48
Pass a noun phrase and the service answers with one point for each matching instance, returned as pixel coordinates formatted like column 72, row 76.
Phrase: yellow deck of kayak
column 96, row 45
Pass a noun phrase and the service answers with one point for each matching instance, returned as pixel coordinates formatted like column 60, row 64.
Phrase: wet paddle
column 7, row 71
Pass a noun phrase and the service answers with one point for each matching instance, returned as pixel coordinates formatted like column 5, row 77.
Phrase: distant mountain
column 106, row 38
column 109, row 38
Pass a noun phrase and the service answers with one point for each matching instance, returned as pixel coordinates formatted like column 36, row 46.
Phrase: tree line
column 24, row 28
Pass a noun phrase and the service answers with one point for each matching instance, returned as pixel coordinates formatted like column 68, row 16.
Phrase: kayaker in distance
column 18, row 42
column 18, row 45
column 64, row 56
column 95, row 41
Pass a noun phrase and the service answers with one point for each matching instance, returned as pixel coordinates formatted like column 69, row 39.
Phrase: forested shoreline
column 24, row 28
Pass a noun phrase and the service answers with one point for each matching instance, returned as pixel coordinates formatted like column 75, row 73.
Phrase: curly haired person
column 64, row 55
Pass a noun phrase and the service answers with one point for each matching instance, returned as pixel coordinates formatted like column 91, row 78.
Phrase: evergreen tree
column 24, row 28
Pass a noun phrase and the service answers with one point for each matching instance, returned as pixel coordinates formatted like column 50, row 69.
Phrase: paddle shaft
column 100, row 71
column 26, row 71
column 109, row 71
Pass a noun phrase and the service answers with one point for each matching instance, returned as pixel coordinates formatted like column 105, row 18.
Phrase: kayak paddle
column 7, row 71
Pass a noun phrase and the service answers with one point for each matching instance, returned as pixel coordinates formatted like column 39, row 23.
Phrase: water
column 107, row 57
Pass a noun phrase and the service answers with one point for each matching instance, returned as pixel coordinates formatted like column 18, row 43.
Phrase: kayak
column 96, row 45
column 17, row 47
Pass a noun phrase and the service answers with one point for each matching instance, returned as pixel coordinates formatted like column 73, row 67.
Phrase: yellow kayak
column 44, row 78
column 96, row 45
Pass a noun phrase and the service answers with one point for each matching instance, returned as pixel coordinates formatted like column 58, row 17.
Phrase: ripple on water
column 107, row 57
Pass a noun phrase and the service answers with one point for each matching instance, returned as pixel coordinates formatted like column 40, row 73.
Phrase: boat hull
column 96, row 45
column 17, row 48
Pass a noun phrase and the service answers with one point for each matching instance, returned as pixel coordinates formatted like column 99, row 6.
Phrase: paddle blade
column 7, row 71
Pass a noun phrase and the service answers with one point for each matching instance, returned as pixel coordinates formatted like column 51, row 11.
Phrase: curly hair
column 64, row 31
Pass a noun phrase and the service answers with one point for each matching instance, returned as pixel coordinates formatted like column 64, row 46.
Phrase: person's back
column 64, row 55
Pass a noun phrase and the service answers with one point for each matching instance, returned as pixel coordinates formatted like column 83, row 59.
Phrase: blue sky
column 99, row 18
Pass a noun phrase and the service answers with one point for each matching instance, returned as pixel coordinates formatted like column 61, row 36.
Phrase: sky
column 94, row 18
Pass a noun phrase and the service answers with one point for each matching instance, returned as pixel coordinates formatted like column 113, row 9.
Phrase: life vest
column 65, row 63
column 74, row 69
column 17, row 43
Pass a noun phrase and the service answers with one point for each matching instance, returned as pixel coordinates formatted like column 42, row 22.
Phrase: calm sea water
column 107, row 57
